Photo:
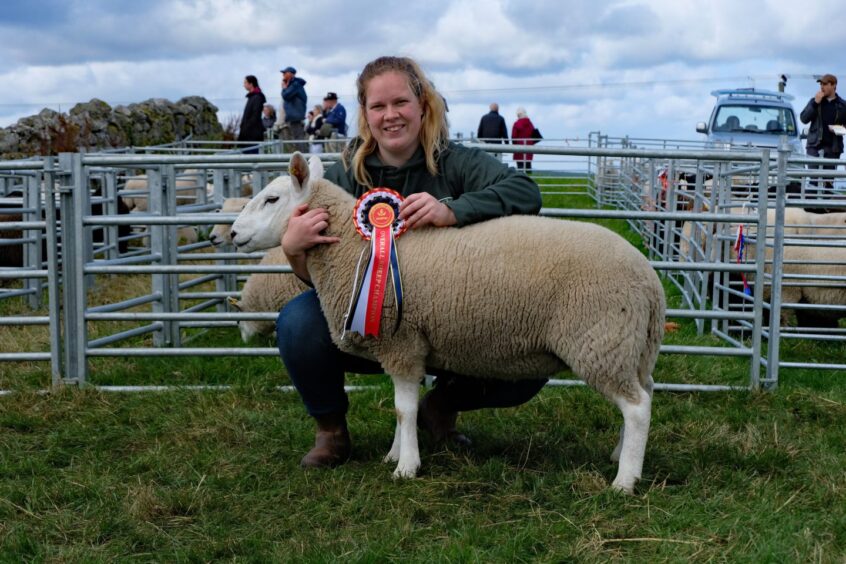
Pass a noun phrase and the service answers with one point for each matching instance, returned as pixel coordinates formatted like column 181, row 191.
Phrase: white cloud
column 638, row 67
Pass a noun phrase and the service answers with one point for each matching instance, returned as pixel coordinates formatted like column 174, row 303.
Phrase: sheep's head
column 248, row 328
column 220, row 234
column 262, row 222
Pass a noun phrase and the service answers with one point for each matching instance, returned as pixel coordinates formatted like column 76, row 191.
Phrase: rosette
column 376, row 218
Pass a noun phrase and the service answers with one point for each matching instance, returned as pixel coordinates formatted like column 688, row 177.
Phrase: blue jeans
column 316, row 367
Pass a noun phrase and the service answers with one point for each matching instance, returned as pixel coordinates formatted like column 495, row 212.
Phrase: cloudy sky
column 642, row 68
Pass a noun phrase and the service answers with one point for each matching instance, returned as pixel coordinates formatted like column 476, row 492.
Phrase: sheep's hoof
column 391, row 457
column 626, row 488
column 406, row 473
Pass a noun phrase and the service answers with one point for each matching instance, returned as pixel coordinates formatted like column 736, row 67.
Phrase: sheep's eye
column 271, row 200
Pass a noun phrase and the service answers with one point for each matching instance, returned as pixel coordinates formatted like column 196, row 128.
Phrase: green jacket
column 475, row 185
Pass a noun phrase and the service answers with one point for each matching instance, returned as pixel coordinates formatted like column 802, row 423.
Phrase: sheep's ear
column 298, row 169
column 234, row 303
column 315, row 168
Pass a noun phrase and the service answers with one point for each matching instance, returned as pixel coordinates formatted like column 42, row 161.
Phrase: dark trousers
column 826, row 153
column 316, row 367
column 827, row 184
column 524, row 165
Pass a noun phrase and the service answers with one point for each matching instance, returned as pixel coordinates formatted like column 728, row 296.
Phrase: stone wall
column 96, row 125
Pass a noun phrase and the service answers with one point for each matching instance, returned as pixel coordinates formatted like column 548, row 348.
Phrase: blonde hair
column 434, row 131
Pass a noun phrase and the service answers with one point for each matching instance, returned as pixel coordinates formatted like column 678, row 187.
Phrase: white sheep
column 220, row 232
column 797, row 257
column 546, row 295
column 263, row 291
column 266, row 292
column 798, row 225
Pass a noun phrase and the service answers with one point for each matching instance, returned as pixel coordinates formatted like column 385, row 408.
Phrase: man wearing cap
column 335, row 113
column 826, row 108
column 294, row 101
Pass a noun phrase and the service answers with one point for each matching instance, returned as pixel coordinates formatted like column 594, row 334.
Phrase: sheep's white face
column 220, row 233
column 260, row 224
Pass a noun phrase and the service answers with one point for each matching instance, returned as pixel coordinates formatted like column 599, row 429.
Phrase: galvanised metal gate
column 636, row 191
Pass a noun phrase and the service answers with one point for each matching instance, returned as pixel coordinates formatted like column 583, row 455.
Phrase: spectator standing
column 294, row 101
column 251, row 128
column 521, row 134
column 826, row 108
column 268, row 116
column 314, row 124
column 492, row 128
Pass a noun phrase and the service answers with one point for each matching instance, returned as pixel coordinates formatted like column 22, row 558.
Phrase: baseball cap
column 291, row 70
column 827, row 78
column 330, row 96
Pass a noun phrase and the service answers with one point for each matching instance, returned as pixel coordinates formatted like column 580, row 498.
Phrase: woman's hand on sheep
column 305, row 230
column 422, row 209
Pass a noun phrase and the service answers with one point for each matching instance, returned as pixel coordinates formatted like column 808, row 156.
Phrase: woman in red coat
column 521, row 134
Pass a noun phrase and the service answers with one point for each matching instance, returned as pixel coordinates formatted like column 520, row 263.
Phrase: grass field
column 206, row 476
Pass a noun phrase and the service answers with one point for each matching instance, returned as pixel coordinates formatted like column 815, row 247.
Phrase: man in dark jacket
column 825, row 109
column 251, row 127
column 492, row 127
column 336, row 114
column 294, row 101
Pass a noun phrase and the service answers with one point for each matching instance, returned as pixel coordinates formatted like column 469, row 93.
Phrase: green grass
column 208, row 476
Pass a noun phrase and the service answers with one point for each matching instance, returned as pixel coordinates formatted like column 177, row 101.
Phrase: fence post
column 670, row 206
column 157, row 249
column 32, row 250
column 73, row 268
column 53, row 292
column 111, row 235
column 773, row 345
column 760, row 271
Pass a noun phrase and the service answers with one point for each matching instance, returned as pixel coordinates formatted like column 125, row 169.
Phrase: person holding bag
column 524, row 132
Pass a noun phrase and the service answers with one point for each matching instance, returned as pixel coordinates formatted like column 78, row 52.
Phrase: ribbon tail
column 355, row 321
column 397, row 279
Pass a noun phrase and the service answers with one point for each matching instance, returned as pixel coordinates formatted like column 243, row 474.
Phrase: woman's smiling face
column 394, row 116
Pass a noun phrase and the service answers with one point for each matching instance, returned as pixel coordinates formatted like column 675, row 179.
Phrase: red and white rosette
column 376, row 218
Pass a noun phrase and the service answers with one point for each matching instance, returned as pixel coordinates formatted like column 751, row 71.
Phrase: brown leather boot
column 332, row 443
column 438, row 420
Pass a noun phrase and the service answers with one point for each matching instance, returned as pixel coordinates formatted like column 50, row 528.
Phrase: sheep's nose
column 233, row 234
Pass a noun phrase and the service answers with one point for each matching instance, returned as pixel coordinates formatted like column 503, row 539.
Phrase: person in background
column 294, row 100
column 335, row 115
column 314, row 124
column 403, row 144
column 825, row 109
column 334, row 124
column 268, row 116
column 492, row 128
column 251, row 128
column 521, row 134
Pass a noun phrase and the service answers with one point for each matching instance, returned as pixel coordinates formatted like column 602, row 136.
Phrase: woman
column 315, row 122
column 521, row 134
column 251, row 128
column 403, row 145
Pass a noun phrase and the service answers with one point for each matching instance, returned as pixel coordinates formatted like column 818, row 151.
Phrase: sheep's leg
column 405, row 401
column 615, row 455
column 394, row 454
column 636, row 418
